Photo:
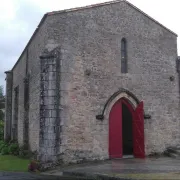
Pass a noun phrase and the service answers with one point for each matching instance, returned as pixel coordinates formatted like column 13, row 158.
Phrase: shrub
column 1, row 130
column 2, row 142
column 2, row 145
column 13, row 149
column 5, row 150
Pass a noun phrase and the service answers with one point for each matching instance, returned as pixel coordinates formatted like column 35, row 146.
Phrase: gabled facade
column 95, row 83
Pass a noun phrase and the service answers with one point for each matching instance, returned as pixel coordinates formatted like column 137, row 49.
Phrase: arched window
column 124, row 68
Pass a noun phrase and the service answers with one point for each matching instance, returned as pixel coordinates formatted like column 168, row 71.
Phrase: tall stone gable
column 89, row 73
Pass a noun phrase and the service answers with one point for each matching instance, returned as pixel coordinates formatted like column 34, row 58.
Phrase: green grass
column 13, row 163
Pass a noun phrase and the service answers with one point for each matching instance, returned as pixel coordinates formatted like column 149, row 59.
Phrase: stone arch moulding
column 121, row 93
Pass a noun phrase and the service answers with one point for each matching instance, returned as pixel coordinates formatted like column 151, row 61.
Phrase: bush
column 13, row 149
column 5, row 150
column 2, row 142
column 2, row 145
column 1, row 130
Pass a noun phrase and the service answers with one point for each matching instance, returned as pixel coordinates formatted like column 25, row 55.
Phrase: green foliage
column 2, row 145
column 13, row 163
column 2, row 142
column 13, row 149
column 1, row 130
column 5, row 150
column 2, row 103
column 1, row 91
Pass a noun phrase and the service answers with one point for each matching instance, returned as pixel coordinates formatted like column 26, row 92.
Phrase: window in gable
column 124, row 68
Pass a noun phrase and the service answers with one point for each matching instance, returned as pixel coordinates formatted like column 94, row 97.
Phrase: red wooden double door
column 116, row 129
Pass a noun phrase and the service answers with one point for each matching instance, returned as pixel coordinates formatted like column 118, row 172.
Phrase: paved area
column 152, row 168
column 19, row 176
column 29, row 176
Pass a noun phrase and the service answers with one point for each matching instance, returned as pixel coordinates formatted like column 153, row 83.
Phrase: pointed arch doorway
column 126, row 130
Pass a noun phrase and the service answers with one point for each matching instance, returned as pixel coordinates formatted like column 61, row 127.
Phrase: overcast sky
column 19, row 19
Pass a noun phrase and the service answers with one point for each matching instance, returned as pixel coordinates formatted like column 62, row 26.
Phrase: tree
column 2, row 103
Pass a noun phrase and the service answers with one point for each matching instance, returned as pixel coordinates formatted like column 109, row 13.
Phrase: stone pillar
column 49, row 109
column 8, row 105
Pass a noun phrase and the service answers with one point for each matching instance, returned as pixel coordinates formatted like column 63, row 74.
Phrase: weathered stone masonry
column 14, row 135
column 26, row 103
column 50, row 140
column 85, row 72
column 8, row 105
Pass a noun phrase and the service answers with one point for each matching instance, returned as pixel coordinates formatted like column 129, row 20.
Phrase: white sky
column 19, row 18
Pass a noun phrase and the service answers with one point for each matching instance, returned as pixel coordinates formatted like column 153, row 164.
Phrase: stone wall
column 90, row 62
column 27, row 73
column 43, row 39
column 35, row 49
column 91, row 59
column 50, row 140
column 8, row 106
column 19, row 73
column 28, row 67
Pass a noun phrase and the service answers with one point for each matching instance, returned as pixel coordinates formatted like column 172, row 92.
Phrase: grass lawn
column 13, row 163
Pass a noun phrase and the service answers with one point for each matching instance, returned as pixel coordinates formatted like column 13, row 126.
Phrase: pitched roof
column 88, row 7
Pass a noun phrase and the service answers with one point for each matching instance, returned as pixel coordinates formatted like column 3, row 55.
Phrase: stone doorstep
column 94, row 176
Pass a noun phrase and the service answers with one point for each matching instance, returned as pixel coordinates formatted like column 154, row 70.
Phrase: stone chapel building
column 95, row 82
